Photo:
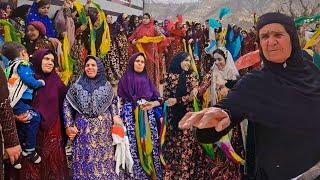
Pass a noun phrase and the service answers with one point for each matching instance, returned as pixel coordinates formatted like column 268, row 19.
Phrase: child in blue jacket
column 21, row 83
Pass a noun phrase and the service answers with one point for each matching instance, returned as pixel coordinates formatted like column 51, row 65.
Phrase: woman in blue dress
column 89, row 111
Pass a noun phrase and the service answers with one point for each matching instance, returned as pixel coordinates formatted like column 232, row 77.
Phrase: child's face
column 44, row 10
column 24, row 55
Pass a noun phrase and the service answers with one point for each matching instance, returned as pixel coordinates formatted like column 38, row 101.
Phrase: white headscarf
column 220, row 77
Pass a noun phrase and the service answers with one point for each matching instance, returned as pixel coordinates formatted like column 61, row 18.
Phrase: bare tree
column 298, row 8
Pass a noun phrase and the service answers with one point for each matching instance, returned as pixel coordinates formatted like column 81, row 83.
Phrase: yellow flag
column 313, row 39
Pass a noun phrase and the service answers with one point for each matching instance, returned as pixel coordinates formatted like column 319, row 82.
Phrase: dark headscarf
column 132, row 24
column 48, row 99
column 179, row 110
column 100, row 80
column 175, row 68
column 278, row 96
column 134, row 86
column 302, row 74
column 91, row 96
column 117, row 25
column 120, row 18
column 21, row 11
column 4, row 5
column 93, row 14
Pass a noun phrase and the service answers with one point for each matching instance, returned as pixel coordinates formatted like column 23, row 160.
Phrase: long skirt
column 184, row 156
column 53, row 163
column 129, row 121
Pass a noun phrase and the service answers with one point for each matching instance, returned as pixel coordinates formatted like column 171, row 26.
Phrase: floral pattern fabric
column 184, row 156
column 92, row 149
column 129, row 121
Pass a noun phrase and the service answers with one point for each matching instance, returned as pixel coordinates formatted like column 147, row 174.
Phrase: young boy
column 21, row 82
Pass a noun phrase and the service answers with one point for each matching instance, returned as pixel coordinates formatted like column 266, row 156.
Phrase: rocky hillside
column 242, row 10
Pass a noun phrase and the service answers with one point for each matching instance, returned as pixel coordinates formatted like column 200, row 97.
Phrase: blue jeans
column 22, row 106
column 27, row 132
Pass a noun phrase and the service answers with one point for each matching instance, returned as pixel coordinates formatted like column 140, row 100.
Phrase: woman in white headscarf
column 215, row 85
column 223, row 75
column 220, row 79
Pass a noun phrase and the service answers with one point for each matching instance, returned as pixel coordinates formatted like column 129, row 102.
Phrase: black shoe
column 34, row 157
column 17, row 163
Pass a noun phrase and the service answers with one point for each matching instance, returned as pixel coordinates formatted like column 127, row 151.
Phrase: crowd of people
column 86, row 97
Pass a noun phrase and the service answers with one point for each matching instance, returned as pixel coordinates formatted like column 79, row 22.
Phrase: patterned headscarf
column 91, row 96
column 91, row 84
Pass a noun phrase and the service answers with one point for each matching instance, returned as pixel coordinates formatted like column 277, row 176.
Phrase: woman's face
column 139, row 64
column 219, row 61
column 109, row 19
column 44, row 10
column 91, row 68
column 198, row 27
column 145, row 19
column 275, row 43
column 166, row 22
column 47, row 63
column 125, row 18
column 8, row 10
column 244, row 34
column 136, row 20
column 185, row 64
column 32, row 33
column 185, row 26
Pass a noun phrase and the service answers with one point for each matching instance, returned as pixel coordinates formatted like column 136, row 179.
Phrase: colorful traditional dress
column 184, row 156
column 50, row 141
column 150, row 49
column 123, row 52
column 117, row 59
column 41, row 43
column 64, row 22
column 224, row 168
column 111, row 61
column 79, row 49
column 133, row 87
column 176, row 34
column 7, row 121
column 90, row 106
column 248, row 44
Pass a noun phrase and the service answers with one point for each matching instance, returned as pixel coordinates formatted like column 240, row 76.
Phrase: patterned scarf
column 91, row 96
